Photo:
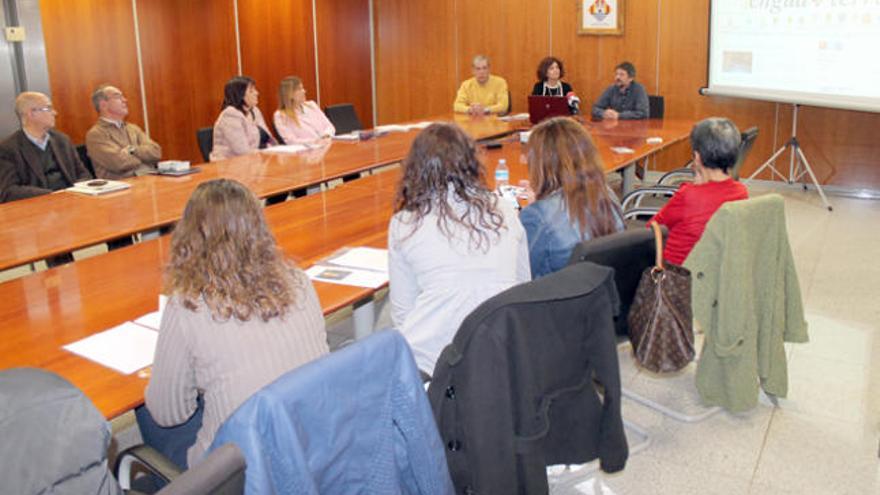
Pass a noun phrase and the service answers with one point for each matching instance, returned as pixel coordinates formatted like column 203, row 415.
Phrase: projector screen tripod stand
column 795, row 173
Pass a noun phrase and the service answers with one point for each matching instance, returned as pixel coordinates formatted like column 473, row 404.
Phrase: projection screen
column 811, row 52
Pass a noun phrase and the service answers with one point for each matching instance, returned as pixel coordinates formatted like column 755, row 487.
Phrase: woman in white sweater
column 452, row 243
column 239, row 316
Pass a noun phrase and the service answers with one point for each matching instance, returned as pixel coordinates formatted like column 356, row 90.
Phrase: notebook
column 543, row 107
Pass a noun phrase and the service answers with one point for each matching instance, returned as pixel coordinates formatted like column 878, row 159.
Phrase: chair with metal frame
column 632, row 202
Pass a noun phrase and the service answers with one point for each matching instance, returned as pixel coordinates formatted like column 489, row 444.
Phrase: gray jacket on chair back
column 54, row 440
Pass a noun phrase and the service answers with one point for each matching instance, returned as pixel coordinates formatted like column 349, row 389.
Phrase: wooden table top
column 49, row 309
column 46, row 310
column 40, row 227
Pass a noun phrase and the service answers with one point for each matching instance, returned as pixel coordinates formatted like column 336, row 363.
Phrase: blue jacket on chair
column 356, row 421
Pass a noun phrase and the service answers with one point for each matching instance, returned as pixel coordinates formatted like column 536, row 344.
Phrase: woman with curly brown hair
column 239, row 315
column 573, row 202
column 452, row 243
column 550, row 73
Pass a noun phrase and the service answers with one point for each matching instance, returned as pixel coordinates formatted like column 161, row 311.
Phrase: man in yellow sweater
column 483, row 93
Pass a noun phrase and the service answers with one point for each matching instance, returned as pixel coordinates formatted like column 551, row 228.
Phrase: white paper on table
column 348, row 276
column 347, row 137
column 286, row 149
column 125, row 348
column 364, row 258
column 392, row 128
column 150, row 320
column 421, row 125
column 154, row 319
column 623, row 150
column 516, row 116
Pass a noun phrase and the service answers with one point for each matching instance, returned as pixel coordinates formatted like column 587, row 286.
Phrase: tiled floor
column 823, row 438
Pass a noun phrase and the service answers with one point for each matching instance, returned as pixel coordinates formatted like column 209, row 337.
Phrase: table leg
column 364, row 315
column 629, row 178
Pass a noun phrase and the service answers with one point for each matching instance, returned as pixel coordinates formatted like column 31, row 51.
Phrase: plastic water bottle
column 502, row 174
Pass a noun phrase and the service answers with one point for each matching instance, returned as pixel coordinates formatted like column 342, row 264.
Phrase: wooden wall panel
column 277, row 40
column 590, row 60
column 186, row 64
column 416, row 74
column 514, row 34
column 344, row 55
column 88, row 43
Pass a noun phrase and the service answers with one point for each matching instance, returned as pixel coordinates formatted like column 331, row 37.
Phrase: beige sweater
column 108, row 146
column 226, row 361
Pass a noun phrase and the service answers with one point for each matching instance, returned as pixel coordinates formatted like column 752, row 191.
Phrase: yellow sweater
column 492, row 95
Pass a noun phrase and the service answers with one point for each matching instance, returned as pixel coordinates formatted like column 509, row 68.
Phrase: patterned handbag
column 660, row 318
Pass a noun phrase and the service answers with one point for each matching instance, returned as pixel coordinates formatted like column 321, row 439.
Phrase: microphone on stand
column 573, row 102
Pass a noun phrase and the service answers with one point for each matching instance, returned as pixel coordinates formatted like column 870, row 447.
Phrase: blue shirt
column 551, row 233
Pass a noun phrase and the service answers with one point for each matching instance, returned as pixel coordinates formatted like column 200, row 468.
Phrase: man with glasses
column 118, row 149
column 37, row 159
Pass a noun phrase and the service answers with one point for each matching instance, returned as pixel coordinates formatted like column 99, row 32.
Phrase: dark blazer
column 516, row 390
column 21, row 174
column 538, row 88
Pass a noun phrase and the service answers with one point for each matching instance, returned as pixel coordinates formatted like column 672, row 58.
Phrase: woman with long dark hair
column 239, row 315
column 240, row 127
column 452, row 242
column 573, row 202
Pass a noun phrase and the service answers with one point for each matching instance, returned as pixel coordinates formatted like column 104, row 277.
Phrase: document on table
column 347, row 276
column 623, row 150
column 125, row 348
column 364, row 258
column 286, row 149
column 351, row 136
column 154, row 319
column 358, row 266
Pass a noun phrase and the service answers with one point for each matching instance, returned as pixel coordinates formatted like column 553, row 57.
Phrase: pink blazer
column 236, row 133
column 313, row 125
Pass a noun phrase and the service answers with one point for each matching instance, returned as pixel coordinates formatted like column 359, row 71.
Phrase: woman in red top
column 715, row 142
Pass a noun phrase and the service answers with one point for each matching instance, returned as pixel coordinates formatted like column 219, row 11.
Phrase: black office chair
column 205, row 138
column 84, row 158
column 629, row 253
column 656, row 107
column 222, row 472
column 343, row 118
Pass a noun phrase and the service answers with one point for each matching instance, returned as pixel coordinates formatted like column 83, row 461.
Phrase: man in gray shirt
column 625, row 99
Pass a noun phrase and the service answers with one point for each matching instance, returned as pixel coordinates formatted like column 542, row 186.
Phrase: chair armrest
column 685, row 172
column 637, row 213
column 633, row 199
column 149, row 458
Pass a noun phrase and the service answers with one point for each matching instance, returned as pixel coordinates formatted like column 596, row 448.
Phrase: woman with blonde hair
column 452, row 243
column 298, row 121
column 573, row 202
column 239, row 315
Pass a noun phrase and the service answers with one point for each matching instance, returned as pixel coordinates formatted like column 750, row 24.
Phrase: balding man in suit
column 37, row 159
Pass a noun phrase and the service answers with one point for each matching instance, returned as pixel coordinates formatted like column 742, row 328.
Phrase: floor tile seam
column 763, row 446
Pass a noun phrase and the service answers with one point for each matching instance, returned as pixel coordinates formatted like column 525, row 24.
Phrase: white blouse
column 437, row 281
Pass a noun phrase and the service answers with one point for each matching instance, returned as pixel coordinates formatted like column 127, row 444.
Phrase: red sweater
column 688, row 212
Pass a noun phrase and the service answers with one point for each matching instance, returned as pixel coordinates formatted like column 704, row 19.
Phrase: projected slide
column 819, row 52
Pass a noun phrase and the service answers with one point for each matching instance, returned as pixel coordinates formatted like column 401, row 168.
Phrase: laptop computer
column 543, row 107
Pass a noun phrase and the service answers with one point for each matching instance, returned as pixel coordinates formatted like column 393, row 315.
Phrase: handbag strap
column 658, row 244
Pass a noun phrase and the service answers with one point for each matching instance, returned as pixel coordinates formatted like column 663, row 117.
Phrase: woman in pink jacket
column 299, row 121
column 240, row 129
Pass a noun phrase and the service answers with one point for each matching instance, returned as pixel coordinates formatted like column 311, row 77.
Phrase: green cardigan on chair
column 747, row 299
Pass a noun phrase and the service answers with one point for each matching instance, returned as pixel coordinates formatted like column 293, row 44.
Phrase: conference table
column 44, row 226
column 43, row 311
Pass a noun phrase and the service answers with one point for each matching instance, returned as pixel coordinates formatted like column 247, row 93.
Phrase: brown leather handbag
column 660, row 319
